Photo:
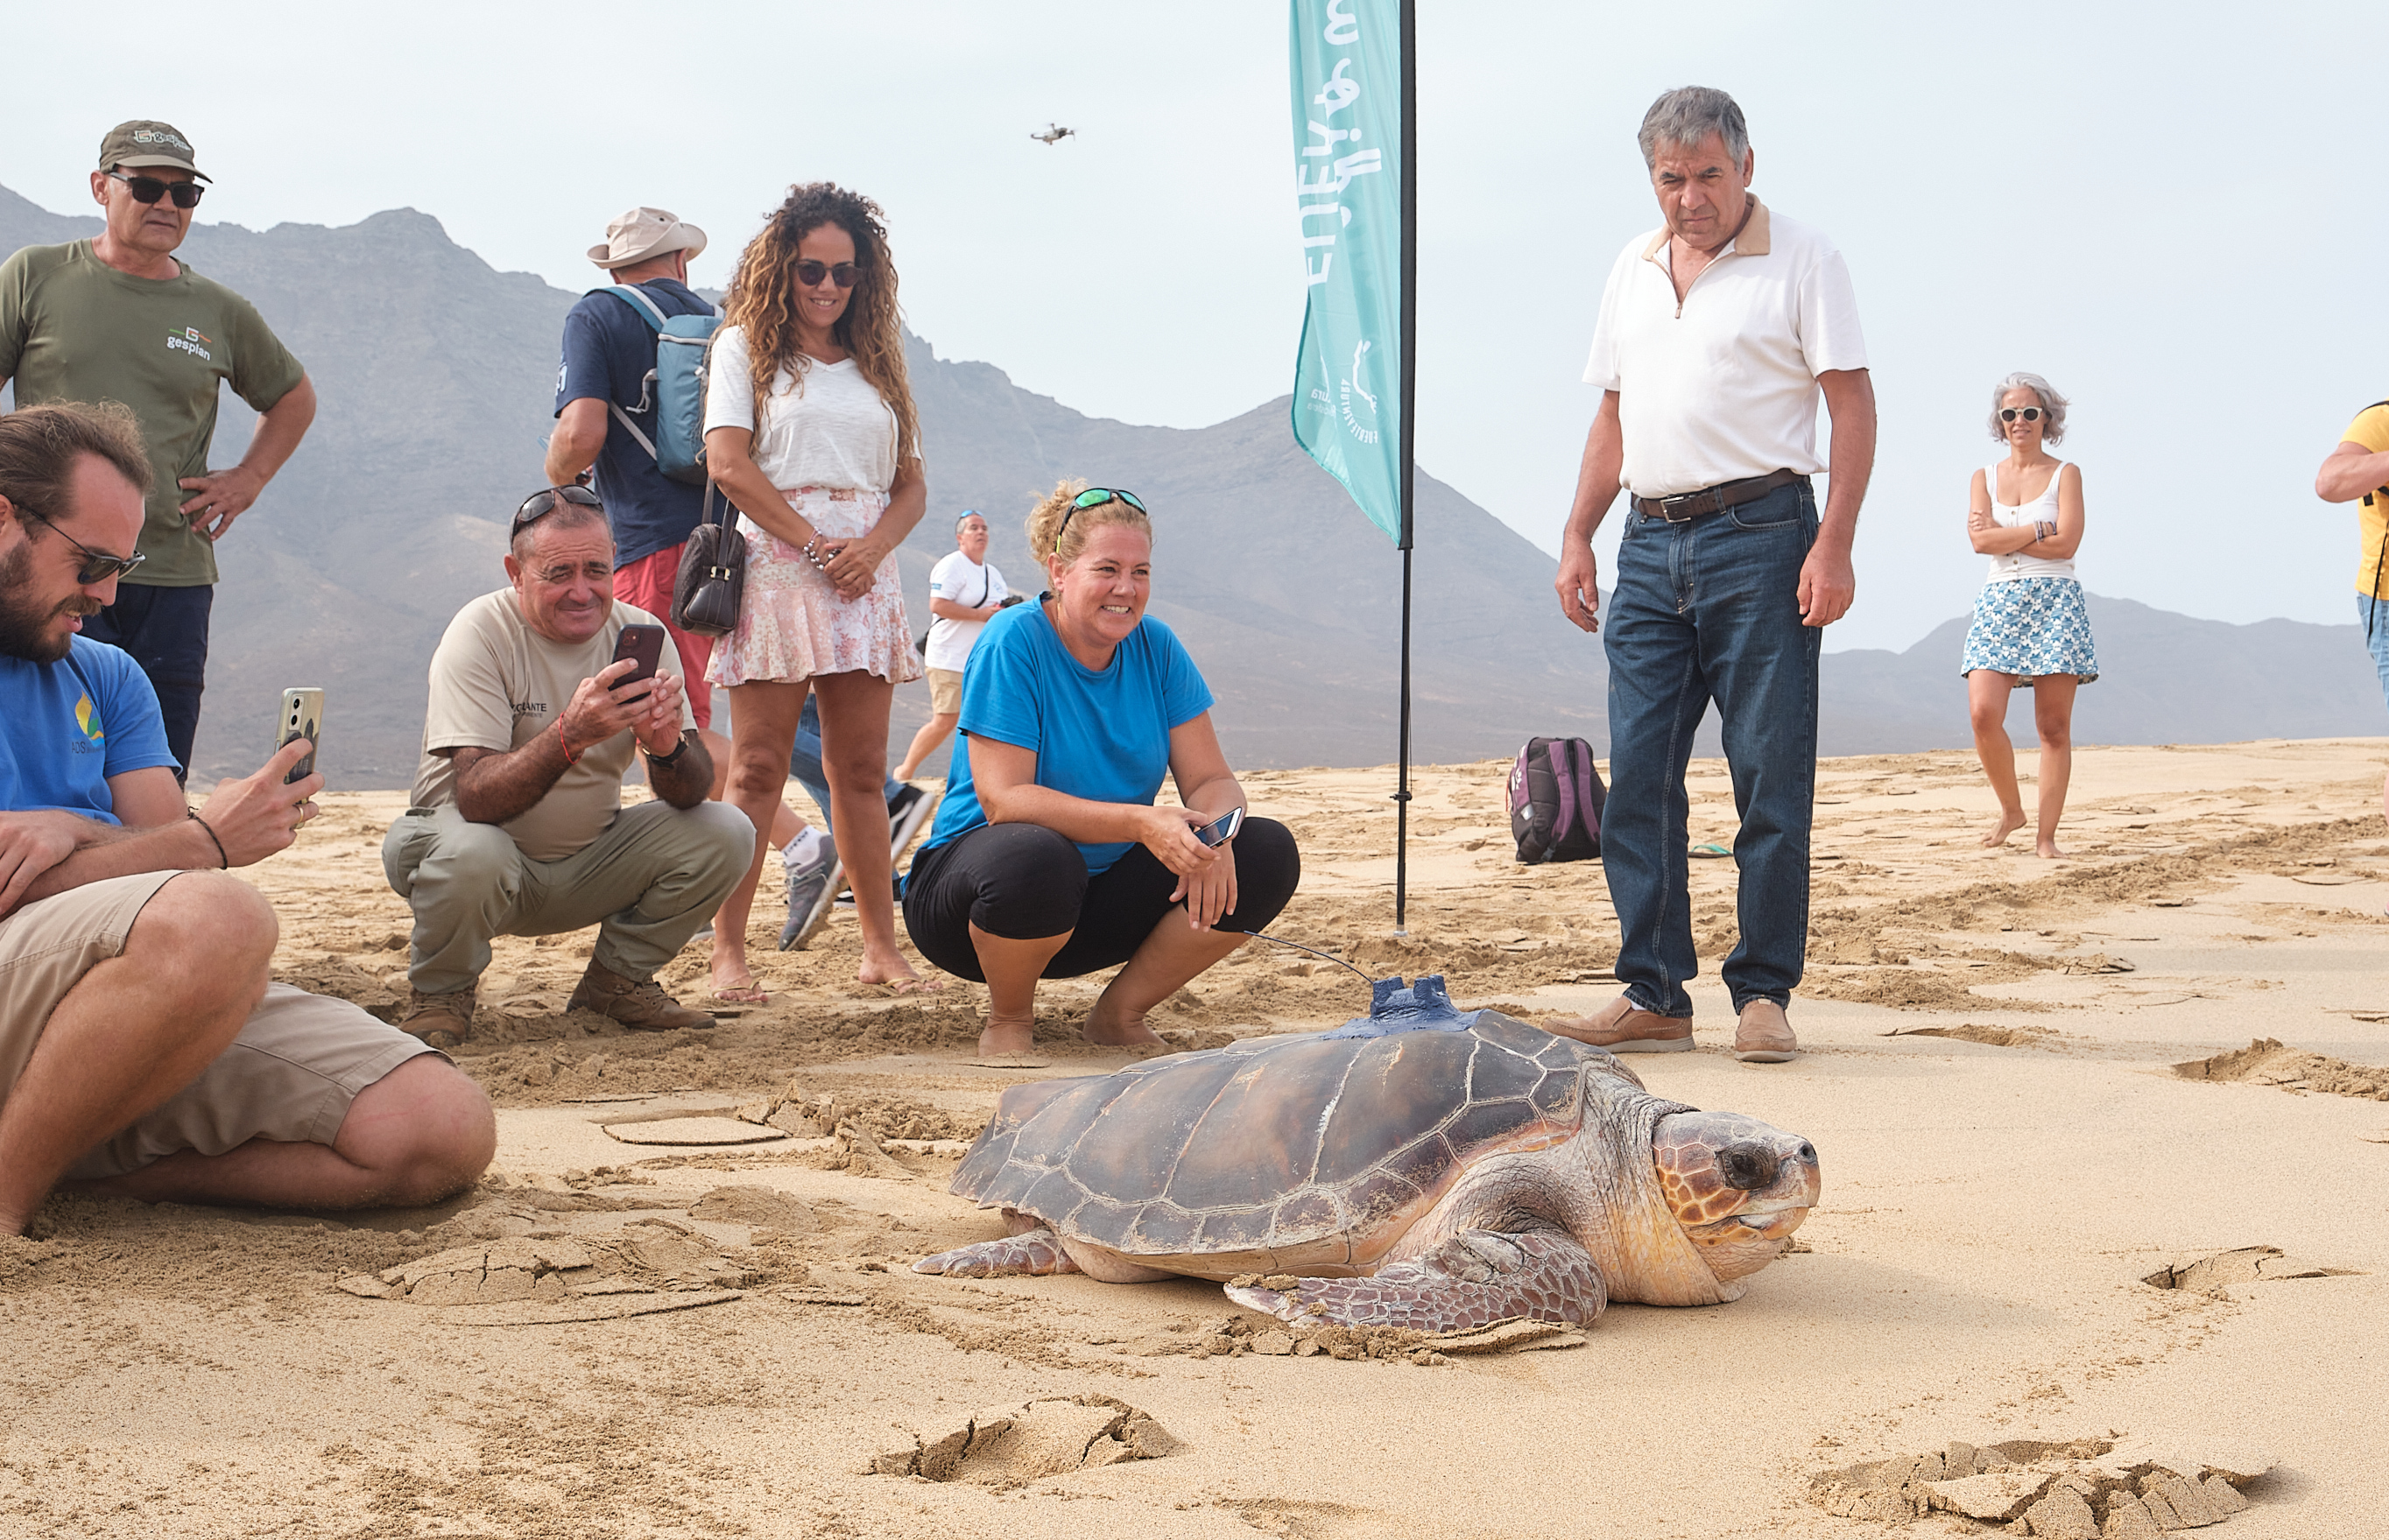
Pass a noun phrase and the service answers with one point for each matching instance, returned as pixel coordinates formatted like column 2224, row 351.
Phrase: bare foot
column 890, row 968
column 1007, row 1036
column 729, row 979
column 2047, row 849
column 2007, row 824
column 1113, row 1028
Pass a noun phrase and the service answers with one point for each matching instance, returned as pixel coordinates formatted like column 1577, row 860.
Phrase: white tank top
column 2040, row 510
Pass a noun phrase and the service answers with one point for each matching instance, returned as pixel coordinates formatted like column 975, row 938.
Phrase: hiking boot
column 812, row 886
column 907, row 811
column 1622, row 1026
column 1763, row 1036
column 442, row 1020
column 642, row 1007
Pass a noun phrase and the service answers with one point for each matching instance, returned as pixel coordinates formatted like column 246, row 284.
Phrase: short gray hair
column 2050, row 402
column 1687, row 116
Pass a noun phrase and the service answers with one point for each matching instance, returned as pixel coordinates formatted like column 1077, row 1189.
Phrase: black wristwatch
column 667, row 761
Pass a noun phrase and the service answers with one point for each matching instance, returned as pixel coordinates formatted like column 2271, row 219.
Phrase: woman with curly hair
column 2031, row 626
column 1049, row 858
column 810, row 430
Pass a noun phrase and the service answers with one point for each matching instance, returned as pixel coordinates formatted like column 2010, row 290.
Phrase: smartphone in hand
column 645, row 645
column 1220, row 830
column 302, row 716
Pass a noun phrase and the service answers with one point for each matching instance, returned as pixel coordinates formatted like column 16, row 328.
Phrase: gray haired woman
column 2031, row 626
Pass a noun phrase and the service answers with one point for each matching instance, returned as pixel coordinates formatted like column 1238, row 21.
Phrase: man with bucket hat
column 119, row 317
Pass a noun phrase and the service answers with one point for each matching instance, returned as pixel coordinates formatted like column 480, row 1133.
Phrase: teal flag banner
column 1348, row 137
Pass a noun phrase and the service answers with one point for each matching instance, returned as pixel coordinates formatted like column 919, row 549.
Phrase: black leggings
column 1022, row 881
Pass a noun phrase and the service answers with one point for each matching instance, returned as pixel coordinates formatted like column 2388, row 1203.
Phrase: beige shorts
column 946, row 691
column 291, row 1074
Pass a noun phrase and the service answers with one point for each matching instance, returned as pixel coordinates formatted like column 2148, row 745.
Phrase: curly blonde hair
column 1050, row 535
column 763, row 302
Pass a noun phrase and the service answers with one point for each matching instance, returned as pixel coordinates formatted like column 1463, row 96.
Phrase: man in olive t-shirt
column 119, row 318
column 518, row 827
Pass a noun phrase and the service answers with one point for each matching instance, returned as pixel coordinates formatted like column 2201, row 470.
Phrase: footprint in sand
column 2089, row 1489
column 1052, row 1436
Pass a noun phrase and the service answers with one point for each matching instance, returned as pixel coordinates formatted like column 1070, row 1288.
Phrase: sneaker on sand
column 907, row 811
column 811, row 885
column 642, row 1007
column 442, row 1020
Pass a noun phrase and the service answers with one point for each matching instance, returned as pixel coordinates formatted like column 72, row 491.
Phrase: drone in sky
column 1051, row 135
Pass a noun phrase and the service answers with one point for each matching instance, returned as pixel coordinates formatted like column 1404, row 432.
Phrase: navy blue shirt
column 608, row 348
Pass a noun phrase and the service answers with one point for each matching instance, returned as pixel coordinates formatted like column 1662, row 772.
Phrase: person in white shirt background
column 966, row 589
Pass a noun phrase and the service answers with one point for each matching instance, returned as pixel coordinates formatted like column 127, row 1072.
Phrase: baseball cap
column 643, row 232
column 144, row 142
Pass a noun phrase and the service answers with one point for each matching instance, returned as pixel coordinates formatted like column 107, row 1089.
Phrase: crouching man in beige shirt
column 518, row 827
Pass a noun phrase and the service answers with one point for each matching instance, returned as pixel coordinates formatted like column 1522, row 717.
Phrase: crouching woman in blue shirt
column 1049, row 858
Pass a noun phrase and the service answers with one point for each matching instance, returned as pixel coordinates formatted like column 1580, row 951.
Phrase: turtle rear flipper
column 1036, row 1253
column 1473, row 1280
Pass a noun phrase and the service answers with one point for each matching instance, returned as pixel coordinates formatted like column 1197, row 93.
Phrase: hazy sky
column 2173, row 212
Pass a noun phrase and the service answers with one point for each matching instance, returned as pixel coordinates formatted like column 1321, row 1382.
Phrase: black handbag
column 713, row 579
column 986, row 584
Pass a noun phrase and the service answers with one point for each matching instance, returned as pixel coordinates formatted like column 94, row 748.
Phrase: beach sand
column 2008, row 1148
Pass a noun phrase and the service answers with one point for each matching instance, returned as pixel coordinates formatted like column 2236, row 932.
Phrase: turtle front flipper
column 1473, row 1280
column 1035, row 1252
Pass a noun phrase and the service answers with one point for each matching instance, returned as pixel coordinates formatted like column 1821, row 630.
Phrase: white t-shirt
column 1724, row 386
column 960, row 580
column 828, row 428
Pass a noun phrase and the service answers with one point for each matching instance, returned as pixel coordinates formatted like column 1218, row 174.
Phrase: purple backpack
column 1556, row 801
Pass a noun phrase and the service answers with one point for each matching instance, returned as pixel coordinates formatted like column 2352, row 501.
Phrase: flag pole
column 1408, row 416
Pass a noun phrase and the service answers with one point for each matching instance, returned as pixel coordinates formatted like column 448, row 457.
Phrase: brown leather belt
column 1684, row 508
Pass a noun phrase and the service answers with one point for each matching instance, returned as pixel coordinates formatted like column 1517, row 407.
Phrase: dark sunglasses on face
column 2010, row 414
column 810, row 273
column 149, row 189
column 1095, row 497
column 98, row 566
column 538, row 505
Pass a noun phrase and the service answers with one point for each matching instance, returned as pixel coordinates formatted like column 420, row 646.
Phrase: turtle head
column 1737, row 1186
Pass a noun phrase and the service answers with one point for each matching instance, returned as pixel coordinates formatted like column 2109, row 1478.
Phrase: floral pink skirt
column 793, row 625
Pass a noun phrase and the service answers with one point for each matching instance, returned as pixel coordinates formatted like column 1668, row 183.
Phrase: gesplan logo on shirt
column 189, row 340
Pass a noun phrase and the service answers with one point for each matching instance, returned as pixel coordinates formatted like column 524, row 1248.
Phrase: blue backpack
column 674, row 389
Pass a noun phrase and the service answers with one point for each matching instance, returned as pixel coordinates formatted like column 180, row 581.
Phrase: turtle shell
column 1282, row 1143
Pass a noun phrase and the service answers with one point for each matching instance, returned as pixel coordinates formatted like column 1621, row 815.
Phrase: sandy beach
column 642, row 1333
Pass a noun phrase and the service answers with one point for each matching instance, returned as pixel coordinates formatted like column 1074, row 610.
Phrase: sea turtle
column 1415, row 1168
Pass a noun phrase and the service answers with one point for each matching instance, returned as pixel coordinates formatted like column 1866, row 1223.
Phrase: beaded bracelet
column 814, row 556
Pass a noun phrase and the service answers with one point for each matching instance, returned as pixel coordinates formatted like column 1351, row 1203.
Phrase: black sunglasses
column 2010, row 414
column 1095, row 497
column 149, row 189
column 98, row 566
column 538, row 505
column 810, row 273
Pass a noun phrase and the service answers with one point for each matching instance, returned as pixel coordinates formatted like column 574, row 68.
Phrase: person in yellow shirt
column 2358, row 467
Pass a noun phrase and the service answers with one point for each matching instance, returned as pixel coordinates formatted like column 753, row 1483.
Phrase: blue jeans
column 805, row 762
column 1709, row 610
column 166, row 631
column 2374, row 615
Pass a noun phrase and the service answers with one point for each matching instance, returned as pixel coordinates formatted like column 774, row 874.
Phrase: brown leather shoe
column 1763, row 1036
column 442, row 1020
column 1621, row 1026
column 642, row 1007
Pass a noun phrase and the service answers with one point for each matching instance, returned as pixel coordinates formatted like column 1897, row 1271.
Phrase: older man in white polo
column 1717, row 334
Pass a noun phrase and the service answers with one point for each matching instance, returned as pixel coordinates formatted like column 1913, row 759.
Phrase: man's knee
column 424, row 1128
column 212, row 931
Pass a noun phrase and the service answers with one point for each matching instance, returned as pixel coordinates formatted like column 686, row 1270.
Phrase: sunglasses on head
column 1095, row 497
column 98, row 566
column 538, row 505
column 149, row 189
column 2010, row 414
column 810, row 273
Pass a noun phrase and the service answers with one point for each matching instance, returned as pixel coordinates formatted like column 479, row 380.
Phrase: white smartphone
column 302, row 716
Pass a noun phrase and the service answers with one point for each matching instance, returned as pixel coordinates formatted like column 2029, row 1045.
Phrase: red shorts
column 647, row 583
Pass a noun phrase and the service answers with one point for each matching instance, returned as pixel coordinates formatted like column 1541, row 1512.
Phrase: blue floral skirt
column 2030, row 627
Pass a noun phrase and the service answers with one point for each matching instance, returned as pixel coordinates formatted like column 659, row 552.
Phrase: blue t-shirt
column 72, row 724
column 1102, row 736
column 608, row 351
